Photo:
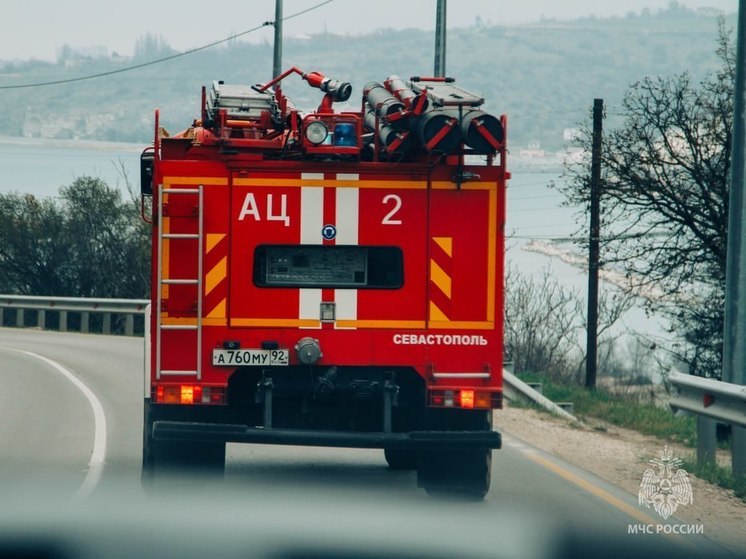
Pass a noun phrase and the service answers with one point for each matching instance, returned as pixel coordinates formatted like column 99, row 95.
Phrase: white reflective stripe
column 348, row 211
column 348, row 224
column 310, row 304
column 346, row 300
column 311, row 223
column 312, row 176
column 348, row 177
column 311, row 215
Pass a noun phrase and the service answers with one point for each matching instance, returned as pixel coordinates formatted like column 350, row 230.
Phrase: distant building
column 532, row 150
column 570, row 134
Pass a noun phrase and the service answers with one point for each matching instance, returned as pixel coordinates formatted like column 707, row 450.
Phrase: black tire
column 401, row 459
column 169, row 460
column 456, row 473
column 148, row 448
column 462, row 473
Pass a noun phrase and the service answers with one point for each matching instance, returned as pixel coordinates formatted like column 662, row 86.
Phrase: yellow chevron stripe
column 218, row 311
column 216, row 275
column 440, row 278
column 212, row 239
column 436, row 314
column 446, row 243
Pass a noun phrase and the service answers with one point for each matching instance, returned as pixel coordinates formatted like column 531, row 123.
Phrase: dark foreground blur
column 222, row 520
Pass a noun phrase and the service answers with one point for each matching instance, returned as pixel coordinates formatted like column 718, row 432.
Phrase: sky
column 38, row 28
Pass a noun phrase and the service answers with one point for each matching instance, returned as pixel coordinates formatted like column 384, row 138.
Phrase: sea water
column 41, row 167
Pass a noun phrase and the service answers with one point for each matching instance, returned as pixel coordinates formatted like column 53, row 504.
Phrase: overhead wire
column 163, row 59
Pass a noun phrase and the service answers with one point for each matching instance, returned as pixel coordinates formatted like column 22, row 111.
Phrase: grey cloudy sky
column 37, row 28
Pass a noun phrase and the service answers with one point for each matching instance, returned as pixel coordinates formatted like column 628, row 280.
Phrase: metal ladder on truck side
column 197, row 282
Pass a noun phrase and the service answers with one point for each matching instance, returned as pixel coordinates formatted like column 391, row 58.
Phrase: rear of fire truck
column 328, row 278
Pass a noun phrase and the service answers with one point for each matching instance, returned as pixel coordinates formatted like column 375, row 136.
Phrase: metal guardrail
column 715, row 399
column 514, row 388
column 125, row 310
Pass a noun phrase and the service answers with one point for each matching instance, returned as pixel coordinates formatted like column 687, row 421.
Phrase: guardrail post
column 107, row 323
column 84, row 322
column 738, row 452
column 2, row 316
column 20, row 316
column 706, row 440
column 63, row 321
column 41, row 319
column 129, row 325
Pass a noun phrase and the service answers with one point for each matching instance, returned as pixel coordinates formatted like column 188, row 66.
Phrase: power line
column 160, row 60
column 553, row 196
column 542, row 209
column 543, row 226
column 540, row 238
column 296, row 14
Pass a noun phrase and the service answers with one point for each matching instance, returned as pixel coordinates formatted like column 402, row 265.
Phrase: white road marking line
column 98, row 456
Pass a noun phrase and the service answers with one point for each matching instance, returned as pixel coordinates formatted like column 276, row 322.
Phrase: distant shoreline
column 71, row 144
column 551, row 163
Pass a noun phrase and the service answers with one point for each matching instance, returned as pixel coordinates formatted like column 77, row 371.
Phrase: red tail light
column 188, row 394
column 464, row 398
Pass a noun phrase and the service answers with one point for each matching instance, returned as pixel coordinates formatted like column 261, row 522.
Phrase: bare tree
column 665, row 199
column 612, row 305
column 542, row 321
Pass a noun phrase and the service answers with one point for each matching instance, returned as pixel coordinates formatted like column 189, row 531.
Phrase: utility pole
column 440, row 40
column 734, row 330
column 277, row 58
column 591, row 359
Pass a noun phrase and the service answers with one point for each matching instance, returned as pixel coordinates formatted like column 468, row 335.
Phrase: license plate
column 249, row 357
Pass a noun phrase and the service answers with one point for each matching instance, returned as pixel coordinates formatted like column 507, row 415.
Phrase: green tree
column 33, row 251
column 90, row 242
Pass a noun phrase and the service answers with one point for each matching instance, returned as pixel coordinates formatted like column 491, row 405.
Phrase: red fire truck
column 328, row 278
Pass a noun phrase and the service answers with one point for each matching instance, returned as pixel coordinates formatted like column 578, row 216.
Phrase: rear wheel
column 464, row 473
column 450, row 472
column 401, row 459
column 168, row 460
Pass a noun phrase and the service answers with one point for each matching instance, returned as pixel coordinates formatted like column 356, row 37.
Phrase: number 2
column 388, row 219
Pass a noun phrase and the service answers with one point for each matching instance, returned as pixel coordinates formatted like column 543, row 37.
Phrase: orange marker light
column 467, row 398
column 187, row 394
column 171, row 395
column 482, row 400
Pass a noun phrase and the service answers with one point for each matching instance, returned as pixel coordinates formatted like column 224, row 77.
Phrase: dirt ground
column 620, row 456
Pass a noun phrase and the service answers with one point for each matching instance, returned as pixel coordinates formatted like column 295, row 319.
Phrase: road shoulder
column 621, row 456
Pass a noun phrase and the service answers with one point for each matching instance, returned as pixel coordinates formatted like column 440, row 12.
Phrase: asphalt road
column 52, row 436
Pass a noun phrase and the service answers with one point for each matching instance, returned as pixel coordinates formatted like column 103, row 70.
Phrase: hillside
column 543, row 76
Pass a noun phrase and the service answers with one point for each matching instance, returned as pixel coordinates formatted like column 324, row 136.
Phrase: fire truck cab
column 328, row 278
